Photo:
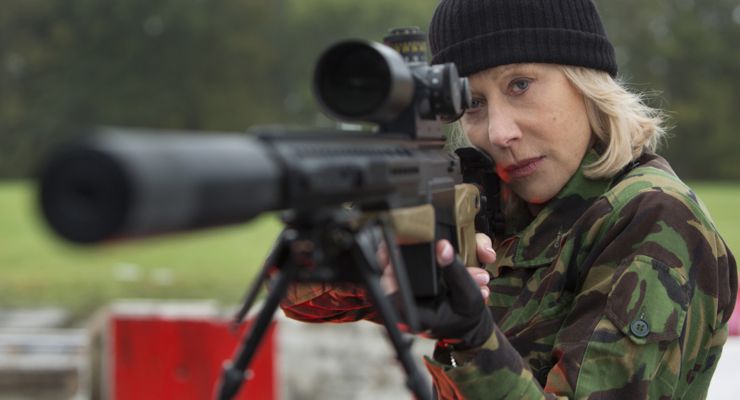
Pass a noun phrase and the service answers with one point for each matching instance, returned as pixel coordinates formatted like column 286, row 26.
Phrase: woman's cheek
column 475, row 135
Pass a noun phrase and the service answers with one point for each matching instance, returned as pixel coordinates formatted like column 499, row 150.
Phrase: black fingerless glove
column 460, row 315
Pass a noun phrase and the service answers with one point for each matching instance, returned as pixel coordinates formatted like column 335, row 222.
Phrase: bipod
column 331, row 246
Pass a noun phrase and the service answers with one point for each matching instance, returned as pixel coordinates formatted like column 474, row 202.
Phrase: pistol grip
column 467, row 206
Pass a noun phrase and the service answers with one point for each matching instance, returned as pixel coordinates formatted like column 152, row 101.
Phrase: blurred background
column 226, row 65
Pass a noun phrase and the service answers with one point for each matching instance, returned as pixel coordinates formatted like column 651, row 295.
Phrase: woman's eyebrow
column 497, row 73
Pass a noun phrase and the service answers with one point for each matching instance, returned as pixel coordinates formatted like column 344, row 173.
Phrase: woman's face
column 533, row 122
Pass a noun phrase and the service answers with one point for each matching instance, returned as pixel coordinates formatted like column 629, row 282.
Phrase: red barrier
column 152, row 357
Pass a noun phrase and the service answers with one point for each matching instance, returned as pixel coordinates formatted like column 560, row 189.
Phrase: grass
column 36, row 269
column 723, row 201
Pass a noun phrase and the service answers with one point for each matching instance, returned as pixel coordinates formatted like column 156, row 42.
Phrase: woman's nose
column 503, row 130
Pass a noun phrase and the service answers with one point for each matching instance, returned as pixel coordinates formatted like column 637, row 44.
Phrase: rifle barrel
column 123, row 183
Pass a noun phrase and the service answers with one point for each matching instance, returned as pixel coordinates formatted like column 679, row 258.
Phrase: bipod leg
column 370, row 271
column 234, row 372
column 402, row 277
column 278, row 256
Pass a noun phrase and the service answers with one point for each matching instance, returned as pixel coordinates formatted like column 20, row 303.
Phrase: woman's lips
column 520, row 169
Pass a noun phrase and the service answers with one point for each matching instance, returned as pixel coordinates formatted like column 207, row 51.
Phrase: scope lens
column 353, row 80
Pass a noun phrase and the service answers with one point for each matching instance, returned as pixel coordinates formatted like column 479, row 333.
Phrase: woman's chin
column 533, row 193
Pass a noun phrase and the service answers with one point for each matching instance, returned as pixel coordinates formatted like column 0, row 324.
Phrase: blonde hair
column 623, row 124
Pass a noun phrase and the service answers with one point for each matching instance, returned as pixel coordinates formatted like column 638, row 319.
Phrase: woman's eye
column 476, row 103
column 519, row 85
column 476, row 109
column 476, row 106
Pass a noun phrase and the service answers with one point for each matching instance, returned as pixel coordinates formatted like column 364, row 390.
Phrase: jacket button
column 640, row 328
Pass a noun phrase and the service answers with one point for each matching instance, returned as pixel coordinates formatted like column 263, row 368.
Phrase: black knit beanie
column 481, row 34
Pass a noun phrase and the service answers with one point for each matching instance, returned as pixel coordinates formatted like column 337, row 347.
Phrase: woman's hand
column 445, row 254
column 459, row 316
column 486, row 255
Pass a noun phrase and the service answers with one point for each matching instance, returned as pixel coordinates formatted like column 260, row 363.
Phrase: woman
column 610, row 280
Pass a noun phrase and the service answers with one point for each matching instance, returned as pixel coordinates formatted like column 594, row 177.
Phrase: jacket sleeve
column 648, row 319
column 324, row 302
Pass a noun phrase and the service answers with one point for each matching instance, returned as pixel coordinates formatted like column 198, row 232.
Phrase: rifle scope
column 366, row 81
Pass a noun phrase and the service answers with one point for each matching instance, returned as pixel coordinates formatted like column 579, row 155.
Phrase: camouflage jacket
column 616, row 289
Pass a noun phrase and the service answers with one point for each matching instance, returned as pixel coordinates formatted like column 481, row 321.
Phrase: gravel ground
column 342, row 361
column 353, row 361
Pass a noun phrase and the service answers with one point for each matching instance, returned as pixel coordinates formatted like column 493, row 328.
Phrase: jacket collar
column 538, row 242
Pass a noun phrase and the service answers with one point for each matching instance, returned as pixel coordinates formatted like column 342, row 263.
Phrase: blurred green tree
column 686, row 52
column 191, row 64
column 230, row 64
